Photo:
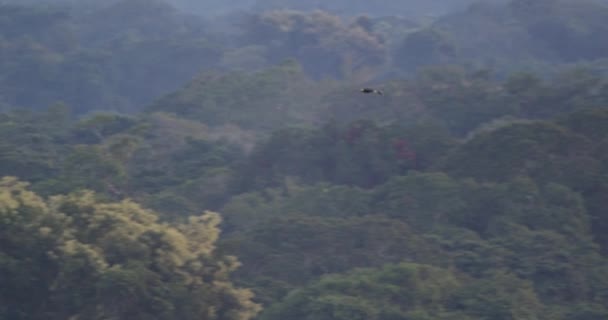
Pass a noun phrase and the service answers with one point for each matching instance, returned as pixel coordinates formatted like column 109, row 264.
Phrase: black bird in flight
column 370, row 90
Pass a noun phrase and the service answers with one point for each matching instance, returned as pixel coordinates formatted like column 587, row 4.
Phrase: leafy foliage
column 322, row 43
column 410, row 291
column 260, row 101
column 87, row 258
column 463, row 192
column 511, row 35
column 112, row 58
column 360, row 153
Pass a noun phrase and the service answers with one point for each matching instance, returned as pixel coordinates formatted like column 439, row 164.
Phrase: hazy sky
column 376, row 7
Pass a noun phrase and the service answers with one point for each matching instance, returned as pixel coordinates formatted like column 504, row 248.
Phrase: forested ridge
column 159, row 164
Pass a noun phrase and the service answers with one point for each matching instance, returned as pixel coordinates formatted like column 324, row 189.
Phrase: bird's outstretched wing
column 370, row 90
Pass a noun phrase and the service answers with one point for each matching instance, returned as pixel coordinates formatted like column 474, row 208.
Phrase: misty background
column 188, row 159
column 121, row 55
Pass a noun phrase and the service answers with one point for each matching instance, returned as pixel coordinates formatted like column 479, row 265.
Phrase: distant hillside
column 518, row 33
column 117, row 57
column 408, row 8
column 122, row 55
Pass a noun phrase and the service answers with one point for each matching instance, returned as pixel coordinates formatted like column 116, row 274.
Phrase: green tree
column 410, row 291
column 73, row 256
column 542, row 150
column 285, row 252
column 32, row 142
column 501, row 296
column 401, row 291
column 264, row 100
column 321, row 42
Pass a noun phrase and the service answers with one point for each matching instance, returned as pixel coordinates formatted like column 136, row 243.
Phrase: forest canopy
column 217, row 160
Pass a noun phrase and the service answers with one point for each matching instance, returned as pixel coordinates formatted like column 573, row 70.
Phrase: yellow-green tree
column 76, row 257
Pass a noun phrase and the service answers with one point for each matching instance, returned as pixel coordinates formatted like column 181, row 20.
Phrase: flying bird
column 370, row 90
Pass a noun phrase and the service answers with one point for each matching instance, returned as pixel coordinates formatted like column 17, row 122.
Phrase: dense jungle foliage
column 160, row 164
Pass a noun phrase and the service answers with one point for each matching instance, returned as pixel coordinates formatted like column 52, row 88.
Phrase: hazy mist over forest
column 215, row 7
column 217, row 160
